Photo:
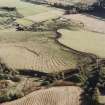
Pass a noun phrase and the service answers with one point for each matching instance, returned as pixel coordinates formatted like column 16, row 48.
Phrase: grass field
column 31, row 12
column 91, row 23
column 24, row 8
column 24, row 22
column 84, row 41
column 45, row 16
column 41, row 17
column 36, row 51
column 27, row 11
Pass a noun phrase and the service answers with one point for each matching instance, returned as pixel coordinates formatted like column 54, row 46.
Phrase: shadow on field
column 49, row 76
column 30, row 72
column 34, row 73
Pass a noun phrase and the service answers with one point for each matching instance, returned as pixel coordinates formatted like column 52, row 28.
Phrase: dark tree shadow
column 33, row 73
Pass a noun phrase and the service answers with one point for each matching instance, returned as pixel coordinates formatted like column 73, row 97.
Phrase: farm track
column 30, row 50
column 67, row 95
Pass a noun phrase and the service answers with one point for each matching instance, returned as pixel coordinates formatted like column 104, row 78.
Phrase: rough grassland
column 84, row 41
column 54, row 96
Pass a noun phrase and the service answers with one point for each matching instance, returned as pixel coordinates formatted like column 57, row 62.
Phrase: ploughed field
column 35, row 51
column 69, row 95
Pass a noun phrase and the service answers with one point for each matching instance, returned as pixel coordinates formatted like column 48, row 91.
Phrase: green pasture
column 85, row 41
